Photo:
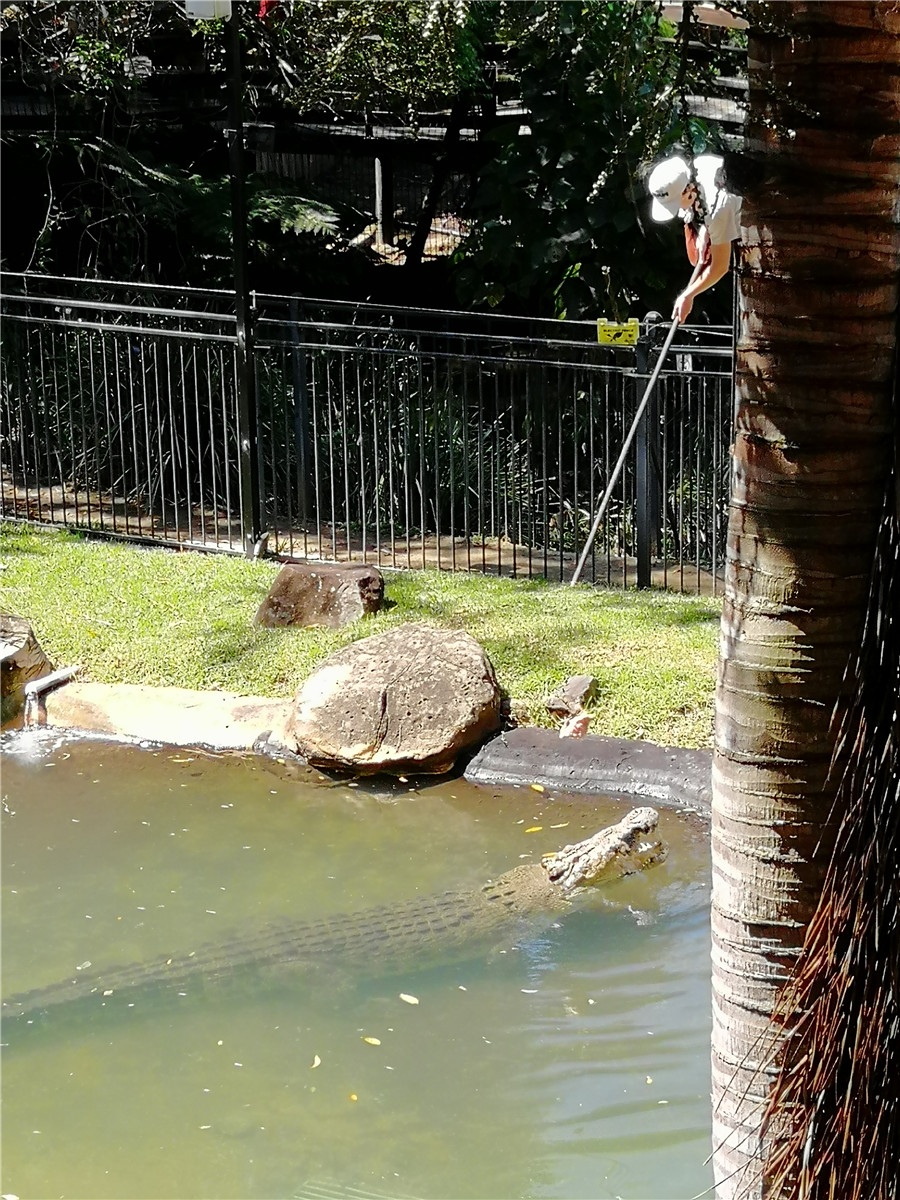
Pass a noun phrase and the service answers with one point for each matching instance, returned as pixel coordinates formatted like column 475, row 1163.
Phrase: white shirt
column 723, row 209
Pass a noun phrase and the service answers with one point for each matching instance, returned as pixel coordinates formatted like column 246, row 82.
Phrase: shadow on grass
column 20, row 540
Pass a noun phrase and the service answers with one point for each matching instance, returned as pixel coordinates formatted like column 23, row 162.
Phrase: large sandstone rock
column 329, row 594
column 21, row 660
column 408, row 700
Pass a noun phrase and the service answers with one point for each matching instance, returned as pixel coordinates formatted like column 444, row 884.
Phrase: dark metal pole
column 642, row 468
column 301, row 409
column 246, row 375
column 646, row 450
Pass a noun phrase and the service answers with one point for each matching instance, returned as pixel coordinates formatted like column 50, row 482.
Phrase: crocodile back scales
column 417, row 933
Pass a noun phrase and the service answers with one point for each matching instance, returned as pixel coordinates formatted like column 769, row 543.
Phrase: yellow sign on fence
column 618, row 333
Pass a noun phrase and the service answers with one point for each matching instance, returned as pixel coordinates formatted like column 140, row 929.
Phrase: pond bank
column 667, row 775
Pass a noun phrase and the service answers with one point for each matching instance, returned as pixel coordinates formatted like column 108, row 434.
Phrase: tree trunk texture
column 814, row 440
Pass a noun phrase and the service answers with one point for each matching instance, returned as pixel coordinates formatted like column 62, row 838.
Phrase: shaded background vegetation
column 115, row 162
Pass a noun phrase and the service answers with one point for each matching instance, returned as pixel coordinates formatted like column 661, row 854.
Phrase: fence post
column 301, row 409
column 248, row 432
column 646, row 470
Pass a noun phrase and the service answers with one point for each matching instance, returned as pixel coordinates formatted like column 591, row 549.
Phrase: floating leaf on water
column 536, row 787
column 534, row 829
column 353, row 1096
column 372, row 1041
column 405, row 996
column 315, row 1062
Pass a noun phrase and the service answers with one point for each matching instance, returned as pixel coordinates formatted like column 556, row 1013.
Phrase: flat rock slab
column 592, row 765
column 170, row 715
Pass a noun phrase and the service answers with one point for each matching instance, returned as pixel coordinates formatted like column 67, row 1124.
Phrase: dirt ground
column 199, row 529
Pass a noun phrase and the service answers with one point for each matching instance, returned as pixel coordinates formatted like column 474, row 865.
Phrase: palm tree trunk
column 813, row 447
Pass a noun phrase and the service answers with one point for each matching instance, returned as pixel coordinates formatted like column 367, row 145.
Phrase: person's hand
column 682, row 309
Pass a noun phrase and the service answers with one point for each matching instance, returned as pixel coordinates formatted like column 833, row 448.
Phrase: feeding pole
column 617, row 469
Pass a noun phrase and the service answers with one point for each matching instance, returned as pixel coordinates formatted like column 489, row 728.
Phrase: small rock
column 329, row 594
column 21, row 660
column 574, row 695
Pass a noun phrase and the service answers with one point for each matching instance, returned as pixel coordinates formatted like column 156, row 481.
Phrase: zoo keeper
column 711, row 216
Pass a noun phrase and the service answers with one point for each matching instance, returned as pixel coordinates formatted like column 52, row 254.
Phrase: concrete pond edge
column 667, row 776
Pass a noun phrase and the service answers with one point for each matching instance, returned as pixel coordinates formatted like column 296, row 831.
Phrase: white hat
column 666, row 182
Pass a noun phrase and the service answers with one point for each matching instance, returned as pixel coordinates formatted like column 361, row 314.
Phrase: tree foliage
column 558, row 223
column 147, row 197
column 561, row 208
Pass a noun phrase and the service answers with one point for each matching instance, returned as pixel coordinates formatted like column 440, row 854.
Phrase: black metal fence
column 404, row 438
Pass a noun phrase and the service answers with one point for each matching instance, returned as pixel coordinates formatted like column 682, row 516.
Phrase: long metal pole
column 246, row 373
column 617, row 469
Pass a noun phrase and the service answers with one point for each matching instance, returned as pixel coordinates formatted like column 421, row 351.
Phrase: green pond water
column 570, row 1061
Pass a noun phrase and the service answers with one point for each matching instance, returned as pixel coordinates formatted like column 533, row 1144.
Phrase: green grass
column 133, row 615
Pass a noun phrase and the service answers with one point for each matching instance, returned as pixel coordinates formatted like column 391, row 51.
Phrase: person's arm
column 690, row 243
column 708, row 274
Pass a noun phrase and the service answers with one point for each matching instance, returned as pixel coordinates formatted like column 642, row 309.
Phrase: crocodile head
column 622, row 849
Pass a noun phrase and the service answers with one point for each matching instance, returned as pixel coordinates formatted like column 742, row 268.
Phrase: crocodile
column 379, row 941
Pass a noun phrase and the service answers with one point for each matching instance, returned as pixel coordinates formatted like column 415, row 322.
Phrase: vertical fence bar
column 545, row 484
column 364, row 473
column 48, row 438
column 215, row 454
column 480, row 469
column 435, row 458
column 467, row 457
column 110, row 428
column 642, row 466
column 248, row 432
column 345, row 434
column 300, row 407
column 420, row 386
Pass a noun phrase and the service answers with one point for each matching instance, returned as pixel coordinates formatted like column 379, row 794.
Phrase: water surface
column 572, row 1062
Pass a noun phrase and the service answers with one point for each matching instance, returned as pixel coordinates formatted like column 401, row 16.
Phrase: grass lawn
column 134, row 615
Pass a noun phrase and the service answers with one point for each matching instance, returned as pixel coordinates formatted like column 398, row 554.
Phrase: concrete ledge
column 666, row 775
column 663, row 775
column 169, row 715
